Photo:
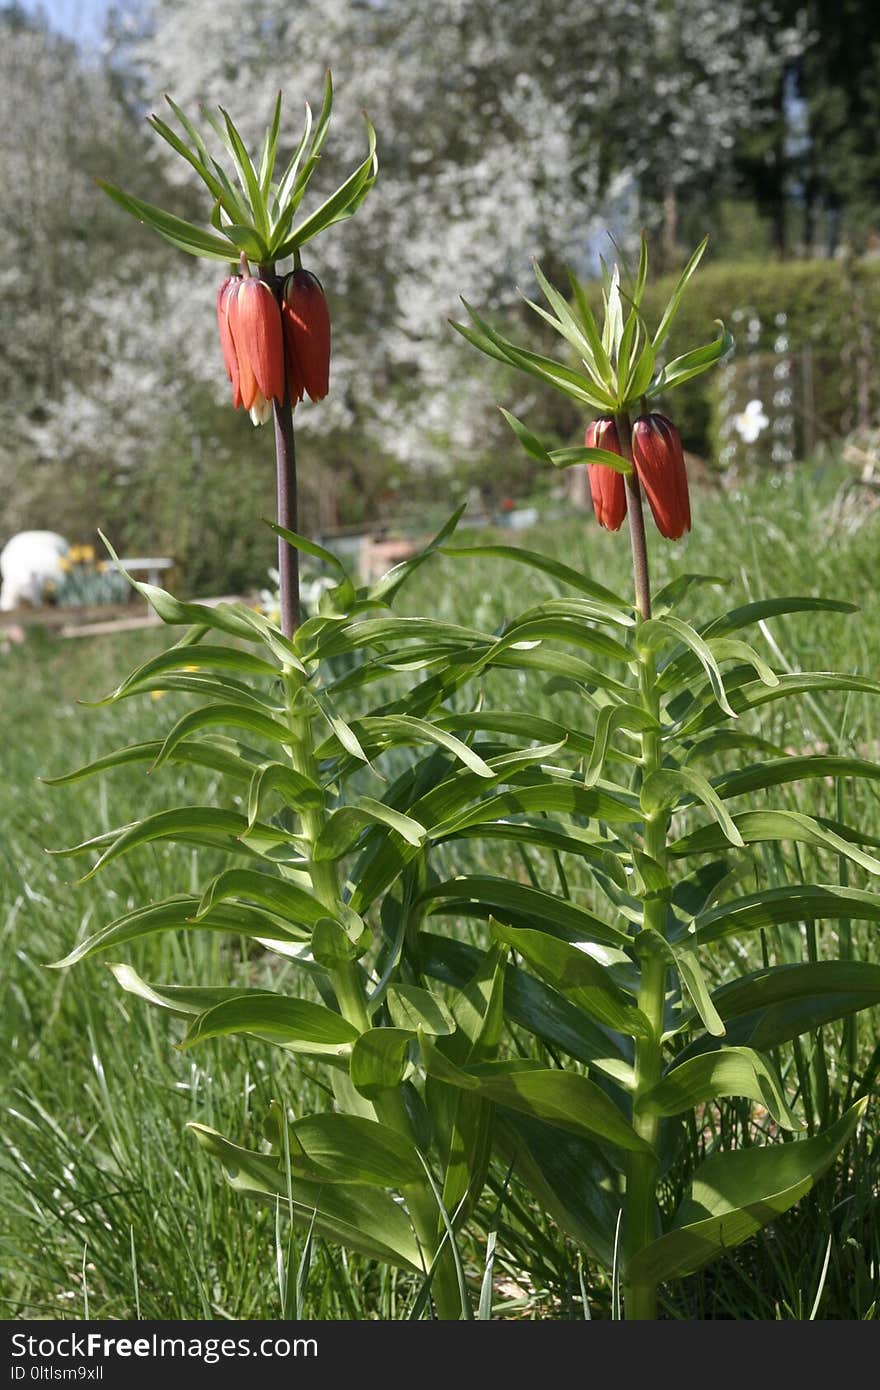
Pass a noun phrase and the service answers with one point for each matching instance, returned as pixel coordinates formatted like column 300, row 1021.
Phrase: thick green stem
column 640, row 1212
column 350, row 991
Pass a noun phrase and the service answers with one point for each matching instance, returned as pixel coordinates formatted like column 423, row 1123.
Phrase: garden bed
column 55, row 617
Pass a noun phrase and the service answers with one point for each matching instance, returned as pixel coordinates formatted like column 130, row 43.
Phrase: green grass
column 107, row 1207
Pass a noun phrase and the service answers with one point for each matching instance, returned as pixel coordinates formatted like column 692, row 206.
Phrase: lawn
column 107, row 1208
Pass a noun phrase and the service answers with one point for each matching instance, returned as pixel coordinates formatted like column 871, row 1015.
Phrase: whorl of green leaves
column 254, row 210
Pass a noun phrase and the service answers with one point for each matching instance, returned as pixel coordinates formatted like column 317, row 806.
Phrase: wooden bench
column 151, row 566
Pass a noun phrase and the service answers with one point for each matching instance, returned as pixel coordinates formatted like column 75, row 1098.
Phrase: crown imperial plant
column 255, row 223
column 687, row 1042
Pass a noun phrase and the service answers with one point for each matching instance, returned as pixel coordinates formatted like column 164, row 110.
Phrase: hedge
column 829, row 313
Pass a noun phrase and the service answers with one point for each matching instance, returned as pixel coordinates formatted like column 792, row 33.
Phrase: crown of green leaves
column 257, row 216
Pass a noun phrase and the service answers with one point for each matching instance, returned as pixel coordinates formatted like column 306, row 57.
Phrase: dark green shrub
column 830, row 310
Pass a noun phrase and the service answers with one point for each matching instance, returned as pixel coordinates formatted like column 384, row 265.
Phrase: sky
column 82, row 20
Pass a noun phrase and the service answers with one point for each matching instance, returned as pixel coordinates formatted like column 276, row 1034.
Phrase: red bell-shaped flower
column 659, row 463
column 607, row 487
column 254, row 323
column 306, row 335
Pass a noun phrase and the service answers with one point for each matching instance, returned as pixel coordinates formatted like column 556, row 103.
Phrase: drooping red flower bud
column 254, row 323
column 306, row 334
column 607, row 487
column 227, row 347
column 659, row 462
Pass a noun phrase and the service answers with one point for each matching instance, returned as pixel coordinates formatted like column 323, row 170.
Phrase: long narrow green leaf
column 245, row 238
column 772, row 1007
column 677, row 674
column 692, row 364
column 335, row 1147
column 772, row 608
column 184, row 235
column 199, row 825
column 576, row 974
column 664, row 788
column 224, row 756
column 594, row 337
column 178, row 914
column 758, row 826
column 549, row 793
column 403, row 729
column 796, row 902
column 534, row 1006
column 567, row 323
column 563, row 1098
column 731, row 1071
column 546, row 834
column 338, row 206
column 547, row 565
column 270, row 149
column 183, row 1000
column 751, row 695
column 231, row 205
column 195, row 657
column 564, row 378
column 608, row 721
column 233, row 618
column 295, row 789
column 379, row 1060
column 656, row 631
column 344, row 826
column 389, row 584
column 486, row 897
column 733, row 1195
column 694, row 980
column 190, row 129
column 233, row 716
column 527, row 726
column 296, row 1024
column 675, row 298
column 777, row 771
column 361, row 1218
column 291, row 903
column 580, row 454
column 247, row 175
column 530, row 442
column 284, row 206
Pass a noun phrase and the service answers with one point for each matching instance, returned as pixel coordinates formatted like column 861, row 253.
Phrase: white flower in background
column 751, row 421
